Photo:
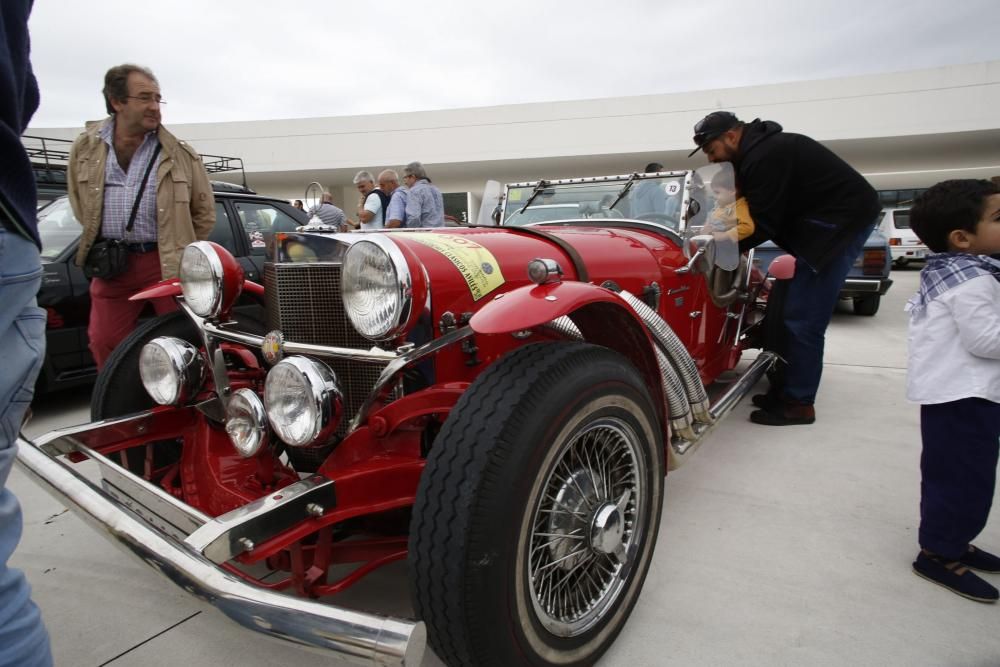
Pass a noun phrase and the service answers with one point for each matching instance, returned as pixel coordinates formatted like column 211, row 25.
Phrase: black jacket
column 801, row 195
column 18, row 101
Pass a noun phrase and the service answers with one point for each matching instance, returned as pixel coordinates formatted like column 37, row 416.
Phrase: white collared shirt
column 954, row 347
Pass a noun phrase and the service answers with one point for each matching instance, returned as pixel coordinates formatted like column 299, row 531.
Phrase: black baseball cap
column 711, row 127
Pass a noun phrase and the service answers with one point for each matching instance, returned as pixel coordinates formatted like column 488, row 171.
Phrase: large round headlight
column 201, row 278
column 304, row 403
column 246, row 422
column 171, row 370
column 377, row 288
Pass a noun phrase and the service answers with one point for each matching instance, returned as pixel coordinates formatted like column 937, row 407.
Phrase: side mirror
column 701, row 250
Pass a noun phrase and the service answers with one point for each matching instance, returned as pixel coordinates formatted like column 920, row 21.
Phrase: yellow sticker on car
column 476, row 264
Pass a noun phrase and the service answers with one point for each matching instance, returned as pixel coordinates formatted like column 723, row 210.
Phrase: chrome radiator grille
column 303, row 302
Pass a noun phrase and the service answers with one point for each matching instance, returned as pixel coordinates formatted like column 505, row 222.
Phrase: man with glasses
column 816, row 207
column 130, row 179
column 424, row 202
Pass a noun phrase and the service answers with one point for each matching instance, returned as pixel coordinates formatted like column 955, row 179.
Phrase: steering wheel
column 669, row 220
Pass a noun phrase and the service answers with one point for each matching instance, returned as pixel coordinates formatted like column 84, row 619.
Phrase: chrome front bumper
column 153, row 528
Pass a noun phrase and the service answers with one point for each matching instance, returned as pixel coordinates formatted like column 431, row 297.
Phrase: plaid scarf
column 946, row 270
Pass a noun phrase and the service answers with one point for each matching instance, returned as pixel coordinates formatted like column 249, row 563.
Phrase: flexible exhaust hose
column 677, row 354
column 675, row 398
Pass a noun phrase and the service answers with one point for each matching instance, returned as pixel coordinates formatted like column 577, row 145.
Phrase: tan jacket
column 185, row 206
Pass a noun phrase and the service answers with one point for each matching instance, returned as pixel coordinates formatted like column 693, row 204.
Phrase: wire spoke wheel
column 537, row 512
column 585, row 527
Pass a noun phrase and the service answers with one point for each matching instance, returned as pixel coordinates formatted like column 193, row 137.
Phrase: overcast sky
column 226, row 60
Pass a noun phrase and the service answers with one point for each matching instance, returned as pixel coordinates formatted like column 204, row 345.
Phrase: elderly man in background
column 131, row 180
column 388, row 182
column 328, row 214
column 424, row 202
column 373, row 205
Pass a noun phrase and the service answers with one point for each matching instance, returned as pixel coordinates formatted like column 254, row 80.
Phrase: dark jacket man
column 819, row 209
column 801, row 195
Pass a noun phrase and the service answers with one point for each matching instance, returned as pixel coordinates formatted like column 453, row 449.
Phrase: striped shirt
column 121, row 188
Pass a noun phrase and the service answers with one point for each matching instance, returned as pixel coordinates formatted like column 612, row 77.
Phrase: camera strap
column 142, row 188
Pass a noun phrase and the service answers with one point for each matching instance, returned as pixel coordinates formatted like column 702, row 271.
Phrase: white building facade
column 902, row 130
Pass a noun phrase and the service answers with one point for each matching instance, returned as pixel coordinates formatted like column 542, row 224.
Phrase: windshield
column 657, row 199
column 57, row 227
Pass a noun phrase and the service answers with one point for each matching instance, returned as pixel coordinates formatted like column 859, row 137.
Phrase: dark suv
column 243, row 222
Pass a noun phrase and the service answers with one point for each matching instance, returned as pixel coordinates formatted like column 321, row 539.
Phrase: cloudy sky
column 225, row 60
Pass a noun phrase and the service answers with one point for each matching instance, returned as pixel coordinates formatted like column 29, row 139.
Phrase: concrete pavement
column 779, row 546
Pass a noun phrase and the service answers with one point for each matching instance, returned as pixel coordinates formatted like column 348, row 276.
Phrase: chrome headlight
column 201, row 278
column 171, row 369
column 304, row 403
column 246, row 422
column 377, row 288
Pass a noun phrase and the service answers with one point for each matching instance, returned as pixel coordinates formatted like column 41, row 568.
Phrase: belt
column 149, row 246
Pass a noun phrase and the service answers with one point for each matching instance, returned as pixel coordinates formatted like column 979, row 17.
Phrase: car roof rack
column 50, row 156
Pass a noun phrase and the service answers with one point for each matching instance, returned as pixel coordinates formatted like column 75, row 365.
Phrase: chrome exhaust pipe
column 682, row 448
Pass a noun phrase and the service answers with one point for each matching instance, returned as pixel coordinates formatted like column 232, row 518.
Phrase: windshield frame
column 615, row 185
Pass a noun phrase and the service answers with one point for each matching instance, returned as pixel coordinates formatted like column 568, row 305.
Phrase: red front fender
column 172, row 287
column 532, row 305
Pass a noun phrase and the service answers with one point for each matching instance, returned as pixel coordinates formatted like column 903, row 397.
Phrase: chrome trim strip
column 862, row 284
column 375, row 354
column 681, row 449
column 401, row 363
column 225, row 537
column 359, row 637
column 150, row 497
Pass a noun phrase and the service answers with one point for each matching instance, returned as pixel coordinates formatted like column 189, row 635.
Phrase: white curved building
column 902, row 130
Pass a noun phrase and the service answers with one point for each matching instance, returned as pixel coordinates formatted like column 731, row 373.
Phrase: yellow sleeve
column 744, row 223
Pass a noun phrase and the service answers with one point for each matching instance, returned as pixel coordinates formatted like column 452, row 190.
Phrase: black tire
column 119, row 391
column 546, row 421
column 901, row 262
column 867, row 305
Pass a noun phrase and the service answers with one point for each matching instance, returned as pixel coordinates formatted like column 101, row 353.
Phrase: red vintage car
column 498, row 404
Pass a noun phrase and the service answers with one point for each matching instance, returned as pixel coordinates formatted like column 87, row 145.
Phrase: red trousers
column 112, row 315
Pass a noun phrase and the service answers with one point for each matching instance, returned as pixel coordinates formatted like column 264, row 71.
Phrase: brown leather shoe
column 785, row 414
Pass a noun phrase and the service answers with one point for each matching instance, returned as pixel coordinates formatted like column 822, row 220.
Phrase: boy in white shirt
column 954, row 373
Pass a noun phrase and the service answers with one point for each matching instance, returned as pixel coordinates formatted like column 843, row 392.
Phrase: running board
column 681, row 448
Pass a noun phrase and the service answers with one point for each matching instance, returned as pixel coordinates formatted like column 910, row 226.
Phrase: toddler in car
column 954, row 374
column 731, row 213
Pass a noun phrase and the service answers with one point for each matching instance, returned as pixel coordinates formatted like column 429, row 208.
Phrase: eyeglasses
column 408, row 176
column 146, row 99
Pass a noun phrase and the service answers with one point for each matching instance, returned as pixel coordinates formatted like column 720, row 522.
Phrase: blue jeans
column 809, row 304
column 23, row 639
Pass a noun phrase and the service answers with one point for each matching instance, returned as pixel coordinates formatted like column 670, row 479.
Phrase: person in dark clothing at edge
column 817, row 208
column 24, row 641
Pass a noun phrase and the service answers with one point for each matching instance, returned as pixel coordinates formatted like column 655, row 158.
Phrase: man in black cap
column 816, row 207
